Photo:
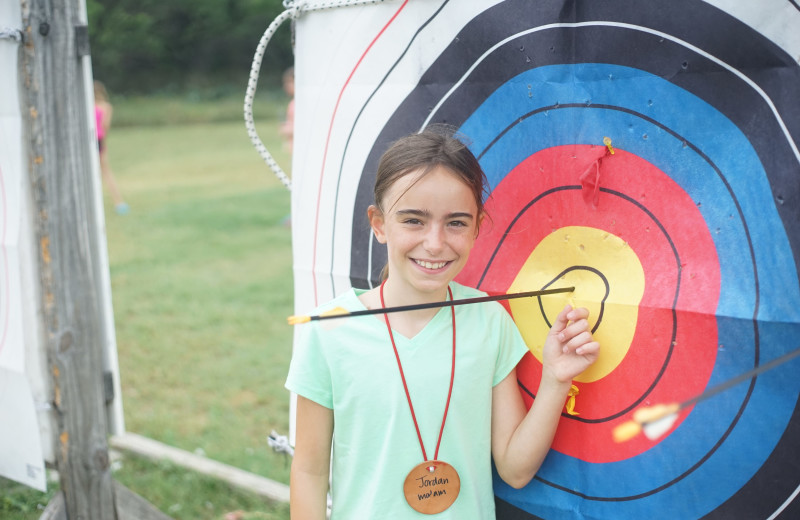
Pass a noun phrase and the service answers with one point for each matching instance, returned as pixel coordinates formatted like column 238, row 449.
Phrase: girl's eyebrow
column 425, row 213
column 461, row 214
column 414, row 212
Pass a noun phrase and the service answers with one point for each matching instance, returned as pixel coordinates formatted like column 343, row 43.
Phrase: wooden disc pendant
column 432, row 487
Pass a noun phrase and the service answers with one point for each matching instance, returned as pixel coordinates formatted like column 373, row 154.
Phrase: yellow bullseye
column 608, row 279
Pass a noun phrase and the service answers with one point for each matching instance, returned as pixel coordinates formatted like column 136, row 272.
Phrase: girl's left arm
column 520, row 439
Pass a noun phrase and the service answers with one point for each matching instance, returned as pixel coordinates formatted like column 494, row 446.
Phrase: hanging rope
column 293, row 10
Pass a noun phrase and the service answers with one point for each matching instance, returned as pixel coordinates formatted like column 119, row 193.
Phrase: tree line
column 149, row 46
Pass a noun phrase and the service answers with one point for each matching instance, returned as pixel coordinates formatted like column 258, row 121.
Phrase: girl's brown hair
column 434, row 146
column 100, row 92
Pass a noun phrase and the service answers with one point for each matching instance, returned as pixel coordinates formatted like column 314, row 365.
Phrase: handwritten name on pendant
column 433, row 481
column 432, row 487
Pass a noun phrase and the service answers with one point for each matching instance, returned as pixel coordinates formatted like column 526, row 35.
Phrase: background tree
column 147, row 46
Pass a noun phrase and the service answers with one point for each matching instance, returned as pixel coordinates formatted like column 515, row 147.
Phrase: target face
column 685, row 250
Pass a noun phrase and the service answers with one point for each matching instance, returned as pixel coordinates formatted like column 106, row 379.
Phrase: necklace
column 432, row 486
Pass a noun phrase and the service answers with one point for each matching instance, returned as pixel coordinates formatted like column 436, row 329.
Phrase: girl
column 103, row 112
column 416, row 405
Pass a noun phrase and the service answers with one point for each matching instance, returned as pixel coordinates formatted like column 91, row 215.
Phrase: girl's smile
column 429, row 224
column 430, row 265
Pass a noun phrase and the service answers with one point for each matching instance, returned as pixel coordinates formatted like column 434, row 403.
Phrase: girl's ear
column 377, row 223
column 481, row 218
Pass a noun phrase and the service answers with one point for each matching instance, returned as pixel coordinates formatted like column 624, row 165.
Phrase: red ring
column 652, row 213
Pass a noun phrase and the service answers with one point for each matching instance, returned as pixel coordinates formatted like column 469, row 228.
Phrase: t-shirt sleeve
column 511, row 347
column 309, row 370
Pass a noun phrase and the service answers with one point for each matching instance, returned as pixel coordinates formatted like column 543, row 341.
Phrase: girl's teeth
column 431, row 265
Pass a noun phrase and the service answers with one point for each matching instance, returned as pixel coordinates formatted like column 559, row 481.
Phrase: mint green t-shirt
column 349, row 365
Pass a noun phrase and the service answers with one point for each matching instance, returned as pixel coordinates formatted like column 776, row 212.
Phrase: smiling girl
column 414, row 408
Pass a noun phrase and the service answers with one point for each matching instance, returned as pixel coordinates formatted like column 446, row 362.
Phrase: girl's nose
column 434, row 240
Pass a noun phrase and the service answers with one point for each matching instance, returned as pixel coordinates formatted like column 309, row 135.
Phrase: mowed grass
column 202, row 283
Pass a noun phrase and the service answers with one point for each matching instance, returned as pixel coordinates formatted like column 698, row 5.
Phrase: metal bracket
column 108, row 386
column 82, row 40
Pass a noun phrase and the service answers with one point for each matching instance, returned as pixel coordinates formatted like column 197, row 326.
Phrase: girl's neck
column 398, row 294
column 409, row 323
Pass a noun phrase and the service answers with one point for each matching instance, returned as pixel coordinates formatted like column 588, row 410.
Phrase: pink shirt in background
column 98, row 117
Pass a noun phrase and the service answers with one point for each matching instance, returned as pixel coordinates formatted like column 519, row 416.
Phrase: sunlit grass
column 202, row 284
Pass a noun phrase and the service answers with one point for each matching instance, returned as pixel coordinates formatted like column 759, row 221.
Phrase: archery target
column 692, row 237
column 688, row 259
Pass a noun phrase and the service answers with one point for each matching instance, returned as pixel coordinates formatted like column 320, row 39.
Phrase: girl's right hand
column 569, row 348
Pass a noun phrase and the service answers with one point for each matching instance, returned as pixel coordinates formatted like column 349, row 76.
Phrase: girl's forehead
column 439, row 183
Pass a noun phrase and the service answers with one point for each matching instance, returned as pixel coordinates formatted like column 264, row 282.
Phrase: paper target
column 683, row 243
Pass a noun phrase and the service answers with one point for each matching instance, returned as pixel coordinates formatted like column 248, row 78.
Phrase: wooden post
column 60, row 146
column 60, row 173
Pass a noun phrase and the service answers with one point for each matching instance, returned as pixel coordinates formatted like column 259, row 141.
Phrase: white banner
column 21, row 455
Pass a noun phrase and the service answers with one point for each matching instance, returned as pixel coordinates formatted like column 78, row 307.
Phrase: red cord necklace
column 432, row 486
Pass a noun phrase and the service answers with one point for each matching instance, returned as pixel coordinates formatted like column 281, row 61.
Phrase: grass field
column 201, row 285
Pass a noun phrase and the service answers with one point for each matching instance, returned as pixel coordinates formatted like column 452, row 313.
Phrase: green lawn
column 202, row 284
column 184, row 494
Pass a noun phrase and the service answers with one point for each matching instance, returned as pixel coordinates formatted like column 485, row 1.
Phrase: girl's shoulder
column 320, row 329
column 333, row 333
column 348, row 299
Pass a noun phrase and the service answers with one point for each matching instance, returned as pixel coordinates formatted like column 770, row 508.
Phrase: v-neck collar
column 403, row 341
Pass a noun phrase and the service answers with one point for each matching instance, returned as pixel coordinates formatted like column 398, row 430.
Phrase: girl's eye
column 458, row 223
column 412, row 221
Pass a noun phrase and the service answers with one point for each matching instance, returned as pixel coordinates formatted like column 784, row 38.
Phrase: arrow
column 656, row 420
column 339, row 312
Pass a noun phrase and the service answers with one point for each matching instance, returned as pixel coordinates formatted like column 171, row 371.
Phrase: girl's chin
column 430, row 285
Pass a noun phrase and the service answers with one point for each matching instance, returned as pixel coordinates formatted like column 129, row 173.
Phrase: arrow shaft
column 449, row 303
column 742, row 377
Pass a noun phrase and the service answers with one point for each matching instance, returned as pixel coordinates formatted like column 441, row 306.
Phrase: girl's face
column 429, row 226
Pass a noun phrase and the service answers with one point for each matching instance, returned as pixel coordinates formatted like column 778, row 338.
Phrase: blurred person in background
column 103, row 112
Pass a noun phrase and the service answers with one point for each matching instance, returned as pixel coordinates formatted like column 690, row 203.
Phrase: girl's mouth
column 430, row 265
